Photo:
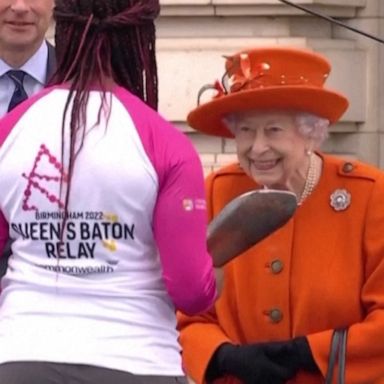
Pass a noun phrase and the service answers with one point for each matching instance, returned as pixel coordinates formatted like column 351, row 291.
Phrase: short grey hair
column 308, row 125
column 312, row 127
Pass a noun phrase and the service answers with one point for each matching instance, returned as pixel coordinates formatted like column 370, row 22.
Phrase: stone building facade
column 193, row 35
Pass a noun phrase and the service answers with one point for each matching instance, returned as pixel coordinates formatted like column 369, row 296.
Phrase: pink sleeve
column 180, row 226
column 180, row 217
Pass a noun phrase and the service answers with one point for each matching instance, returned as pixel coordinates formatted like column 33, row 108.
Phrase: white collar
column 36, row 66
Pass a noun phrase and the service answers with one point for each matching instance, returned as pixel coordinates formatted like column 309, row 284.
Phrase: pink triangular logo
column 40, row 183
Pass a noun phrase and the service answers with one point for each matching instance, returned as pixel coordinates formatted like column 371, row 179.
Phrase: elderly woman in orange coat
column 323, row 270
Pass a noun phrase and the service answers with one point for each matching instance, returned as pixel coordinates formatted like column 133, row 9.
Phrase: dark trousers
column 57, row 373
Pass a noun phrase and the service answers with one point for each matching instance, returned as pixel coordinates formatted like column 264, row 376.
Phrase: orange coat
column 324, row 269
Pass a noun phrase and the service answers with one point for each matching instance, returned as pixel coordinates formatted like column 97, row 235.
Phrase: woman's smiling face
column 269, row 147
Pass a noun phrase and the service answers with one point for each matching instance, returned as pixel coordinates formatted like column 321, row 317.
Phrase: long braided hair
column 98, row 42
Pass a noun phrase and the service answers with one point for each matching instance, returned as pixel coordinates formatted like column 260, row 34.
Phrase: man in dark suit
column 27, row 60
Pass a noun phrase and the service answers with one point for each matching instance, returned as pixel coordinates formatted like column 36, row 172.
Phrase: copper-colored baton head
column 246, row 220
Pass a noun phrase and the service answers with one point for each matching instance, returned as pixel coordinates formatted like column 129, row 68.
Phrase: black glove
column 294, row 354
column 249, row 363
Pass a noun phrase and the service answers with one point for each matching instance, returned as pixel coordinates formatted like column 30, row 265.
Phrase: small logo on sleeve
column 194, row 204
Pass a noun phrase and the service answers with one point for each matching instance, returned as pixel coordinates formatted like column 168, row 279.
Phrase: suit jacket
column 324, row 269
column 51, row 63
column 51, row 68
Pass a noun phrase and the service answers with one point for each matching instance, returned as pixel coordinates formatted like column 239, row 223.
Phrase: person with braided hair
column 104, row 201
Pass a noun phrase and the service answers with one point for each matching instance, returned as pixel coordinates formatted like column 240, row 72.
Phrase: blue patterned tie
column 19, row 93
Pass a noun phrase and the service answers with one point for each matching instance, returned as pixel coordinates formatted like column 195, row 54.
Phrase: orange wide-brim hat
column 269, row 78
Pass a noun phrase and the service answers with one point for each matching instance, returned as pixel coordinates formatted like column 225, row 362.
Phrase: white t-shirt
column 103, row 290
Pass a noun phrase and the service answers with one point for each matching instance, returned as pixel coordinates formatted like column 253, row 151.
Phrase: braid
column 99, row 40
column 123, row 30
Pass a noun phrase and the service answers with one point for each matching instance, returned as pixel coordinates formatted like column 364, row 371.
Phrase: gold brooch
column 340, row 199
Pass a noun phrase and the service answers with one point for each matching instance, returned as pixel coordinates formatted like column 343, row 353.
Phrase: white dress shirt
column 34, row 81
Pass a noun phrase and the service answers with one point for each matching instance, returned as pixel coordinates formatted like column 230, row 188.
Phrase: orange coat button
column 275, row 315
column 348, row 167
column 277, row 266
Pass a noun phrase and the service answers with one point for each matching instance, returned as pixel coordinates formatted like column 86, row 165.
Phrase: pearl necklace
column 311, row 179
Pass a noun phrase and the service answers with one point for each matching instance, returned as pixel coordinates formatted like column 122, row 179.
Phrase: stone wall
column 193, row 35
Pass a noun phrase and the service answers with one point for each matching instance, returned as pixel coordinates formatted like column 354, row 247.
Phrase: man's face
column 23, row 23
